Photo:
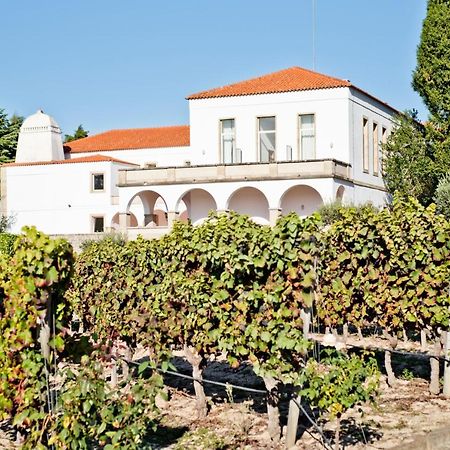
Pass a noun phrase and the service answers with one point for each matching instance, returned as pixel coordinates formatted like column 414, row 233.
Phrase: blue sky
column 120, row 64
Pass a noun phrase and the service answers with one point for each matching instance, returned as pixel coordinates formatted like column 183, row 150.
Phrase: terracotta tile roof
column 287, row 80
column 84, row 159
column 134, row 138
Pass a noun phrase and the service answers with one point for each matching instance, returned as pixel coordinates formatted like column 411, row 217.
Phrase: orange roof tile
column 134, row 138
column 287, row 80
column 84, row 159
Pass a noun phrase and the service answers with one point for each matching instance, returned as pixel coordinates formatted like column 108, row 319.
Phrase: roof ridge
column 142, row 128
column 127, row 129
column 321, row 74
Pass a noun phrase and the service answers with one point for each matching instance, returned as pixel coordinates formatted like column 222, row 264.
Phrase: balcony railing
column 285, row 170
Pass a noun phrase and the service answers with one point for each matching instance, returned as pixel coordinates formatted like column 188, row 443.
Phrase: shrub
column 332, row 212
column 5, row 223
column 442, row 196
column 113, row 238
column 32, row 313
column 7, row 243
column 93, row 414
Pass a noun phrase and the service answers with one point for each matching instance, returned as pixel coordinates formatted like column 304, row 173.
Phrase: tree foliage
column 432, row 75
column 417, row 156
column 442, row 196
column 79, row 133
column 9, row 134
column 408, row 164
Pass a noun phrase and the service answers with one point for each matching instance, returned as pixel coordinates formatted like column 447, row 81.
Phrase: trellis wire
column 291, row 396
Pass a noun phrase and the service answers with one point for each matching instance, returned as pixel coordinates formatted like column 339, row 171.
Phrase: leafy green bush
column 31, row 284
column 389, row 268
column 92, row 414
column 5, row 223
column 332, row 212
column 442, row 196
column 7, row 241
column 230, row 285
column 339, row 382
column 113, row 238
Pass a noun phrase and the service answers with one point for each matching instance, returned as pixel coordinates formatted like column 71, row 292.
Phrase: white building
column 288, row 141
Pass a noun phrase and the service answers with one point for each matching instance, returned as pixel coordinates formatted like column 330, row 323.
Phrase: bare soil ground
column 238, row 421
column 400, row 413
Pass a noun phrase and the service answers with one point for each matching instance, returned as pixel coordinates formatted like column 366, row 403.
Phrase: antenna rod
column 314, row 33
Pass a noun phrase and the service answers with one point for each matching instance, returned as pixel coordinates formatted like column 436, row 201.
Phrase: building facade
column 288, row 141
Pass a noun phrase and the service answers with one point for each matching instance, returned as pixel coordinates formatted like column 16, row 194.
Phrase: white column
column 124, row 221
column 171, row 217
column 274, row 214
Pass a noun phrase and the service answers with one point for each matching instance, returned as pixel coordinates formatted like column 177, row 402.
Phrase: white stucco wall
column 362, row 194
column 330, row 107
column 362, row 106
column 57, row 198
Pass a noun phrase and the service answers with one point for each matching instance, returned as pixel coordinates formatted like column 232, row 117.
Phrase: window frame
column 299, row 134
column 221, row 154
column 93, row 175
column 258, row 134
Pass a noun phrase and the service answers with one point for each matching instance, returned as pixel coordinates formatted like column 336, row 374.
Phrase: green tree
column 9, row 134
column 442, row 196
column 79, row 133
column 408, row 165
column 431, row 78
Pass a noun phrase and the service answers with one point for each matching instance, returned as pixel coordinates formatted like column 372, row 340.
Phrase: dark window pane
column 98, row 182
column 99, row 225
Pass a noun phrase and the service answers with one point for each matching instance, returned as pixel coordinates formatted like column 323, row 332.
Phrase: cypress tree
column 431, row 79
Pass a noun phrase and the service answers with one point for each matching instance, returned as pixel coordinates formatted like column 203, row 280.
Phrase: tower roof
column 39, row 120
column 287, row 80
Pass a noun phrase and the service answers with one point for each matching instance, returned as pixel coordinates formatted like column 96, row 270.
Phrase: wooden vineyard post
column 291, row 432
column 294, row 410
column 446, row 387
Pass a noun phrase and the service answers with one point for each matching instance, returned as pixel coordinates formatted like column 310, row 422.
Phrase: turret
column 39, row 139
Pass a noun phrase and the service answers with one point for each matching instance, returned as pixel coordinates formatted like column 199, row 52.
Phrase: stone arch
column 340, row 194
column 149, row 207
column 250, row 201
column 115, row 224
column 301, row 199
column 195, row 204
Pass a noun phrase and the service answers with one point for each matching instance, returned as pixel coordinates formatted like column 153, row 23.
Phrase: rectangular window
column 98, row 182
column 227, row 141
column 99, row 224
column 266, row 139
column 365, row 145
column 376, row 148
column 383, row 135
column 307, row 136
